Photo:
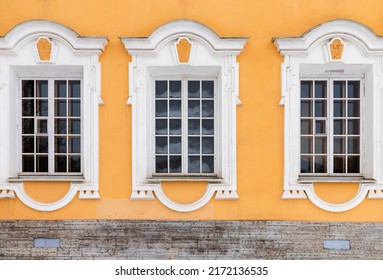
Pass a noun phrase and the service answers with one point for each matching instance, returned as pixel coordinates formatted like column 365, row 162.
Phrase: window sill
column 184, row 178
column 335, row 179
column 47, row 178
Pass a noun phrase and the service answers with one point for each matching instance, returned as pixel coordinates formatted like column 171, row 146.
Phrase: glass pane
column 306, row 127
column 174, row 145
column 41, row 163
column 193, row 108
column 28, row 164
column 28, row 108
column 74, row 108
column 320, row 109
column 353, row 164
column 41, row 144
column 74, row 163
column 175, row 127
column 75, row 145
column 207, row 108
column 60, row 145
column 320, row 164
column 320, row 127
column 339, row 89
column 161, row 127
column 193, row 89
column 339, row 109
column 42, row 108
column 161, row 145
column 161, row 89
column 306, row 109
column 353, row 89
column 28, row 144
column 306, row 89
column 194, row 145
column 193, row 127
column 74, row 89
column 207, row 127
column 207, row 89
column 161, row 164
column 193, row 164
column 28, row 89
column 175, row 89
column 60, row 163
column 320, row 89
column 339, row 164
column 42, row 126
column 320, row 145
column 207, row 164
column 353, row 145
column 42, row 88
column 208, row 145
column 175, row 108
column 306, row 164
column 60, row 126
column 28, row 126
column 60, row 89
column 74, row 126
column 175, row 164
column 306, row 145
column 161, row 108
column 353, row 127
column 339, row 145
column 339, row 127
column 60, row 108
column 353, row 108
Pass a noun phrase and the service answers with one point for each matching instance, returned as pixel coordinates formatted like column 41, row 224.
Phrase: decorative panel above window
column 50, row 94
column 331, row 84
column 184, row 91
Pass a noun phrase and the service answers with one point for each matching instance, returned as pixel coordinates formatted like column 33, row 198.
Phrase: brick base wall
column 122, row 239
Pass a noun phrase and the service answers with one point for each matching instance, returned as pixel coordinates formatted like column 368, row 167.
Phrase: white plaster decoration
column 72, row 56
column 310, row 56
column 157, row 55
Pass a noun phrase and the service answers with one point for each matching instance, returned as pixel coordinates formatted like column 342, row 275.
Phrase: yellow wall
column 259, row 119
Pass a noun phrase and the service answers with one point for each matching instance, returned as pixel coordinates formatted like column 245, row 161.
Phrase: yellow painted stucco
column 259, row 120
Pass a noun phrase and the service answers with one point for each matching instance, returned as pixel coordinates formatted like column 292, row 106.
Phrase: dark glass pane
column 28, row 89
column 28, row 144
column 193, row 108
column 161, row 108
column 175, row 89
column 41, row 163
column 174, row 145
column 60, row 89
column 41, row 144
column 74, row 163
column 207, row 108
column 339, row 127
column 194, row 145
column 306, row 164
column 353, row 164
column 320, row 145
column 339, row 164
column 306, row 145
column 339, row 145
column 75, row 145
column 353, row 108
column 28, row 163
column 175, row 127
column 175, row 164
column 208, row 145
column 306, row 89
column 320, row 109
column 175, row 108
column 208, row 89
column 353, row 145
column 353, row 127
column 42, row 88
column 60, row 126
column 60, row 108
column 75, row 126
column 320, row 89
column 339, row 109
column 161, row 127
column 42, row 126
column 60, row 164
column 207, row 127
column 353, row 89
column 320, row 164
column 74, row 108
column 60, row 145
column 194, row 164
column 161, row 145
column 161, row 164
column 194, row 127
column 161, row 89
column 339, row 89
column 320, row 127
column 74, row 89
column 193, row 89
column 28, row 108
column 42, row 107
column 207, row 164
column 28, row 126
column 306, row 109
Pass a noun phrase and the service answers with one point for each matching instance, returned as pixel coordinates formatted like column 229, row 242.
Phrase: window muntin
column 184, row 127
column 330, row 127
column 51, row 126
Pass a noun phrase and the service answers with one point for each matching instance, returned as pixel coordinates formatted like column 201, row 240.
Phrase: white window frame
column 71, row 56
column 311, row 55
column 157, row 55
